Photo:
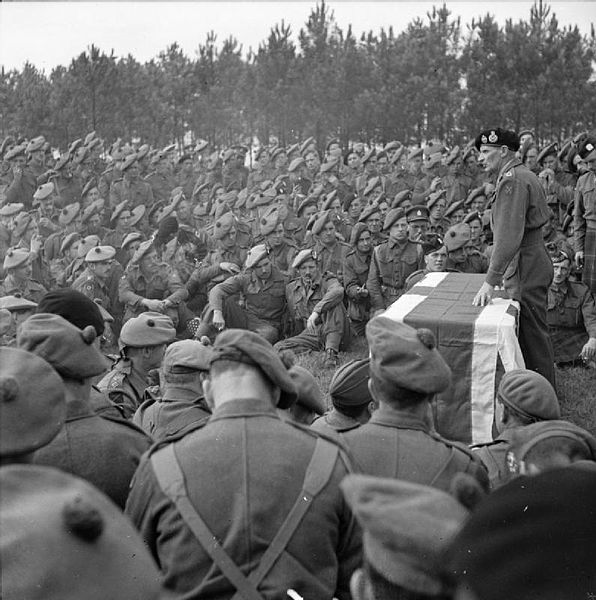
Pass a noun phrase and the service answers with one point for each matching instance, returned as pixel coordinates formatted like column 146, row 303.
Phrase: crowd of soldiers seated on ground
column 303, row 248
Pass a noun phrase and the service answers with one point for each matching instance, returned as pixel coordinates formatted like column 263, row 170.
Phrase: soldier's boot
column 331, row 359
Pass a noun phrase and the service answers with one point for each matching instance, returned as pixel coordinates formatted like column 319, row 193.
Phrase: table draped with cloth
column 478, row 343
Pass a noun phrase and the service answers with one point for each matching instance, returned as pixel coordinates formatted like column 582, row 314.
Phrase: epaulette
column 452, row 444
column 329, row 437
column 486, row 444
column 126, row 423
column 175, row 437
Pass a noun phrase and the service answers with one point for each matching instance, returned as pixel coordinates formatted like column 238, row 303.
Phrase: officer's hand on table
column 484, row 295
column 229, row 267
column 311, row 323
column 153, row 305
column 218, row 320
column 589, row 350
column 579, row 258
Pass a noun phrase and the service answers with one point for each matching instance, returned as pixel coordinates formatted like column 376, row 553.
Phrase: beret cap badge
column 492, row 138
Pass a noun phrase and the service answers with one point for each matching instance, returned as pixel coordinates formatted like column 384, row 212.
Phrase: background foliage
column 438, row 78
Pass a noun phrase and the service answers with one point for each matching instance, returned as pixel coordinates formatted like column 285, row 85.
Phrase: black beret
column 497, row 137
column 73, row 306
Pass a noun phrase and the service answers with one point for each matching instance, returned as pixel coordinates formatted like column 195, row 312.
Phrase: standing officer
column 519, row 259
column 291, row 530
column 142, row 344
column 584, row 215
column 392, row 262
column 399, row 441
column 315, row 307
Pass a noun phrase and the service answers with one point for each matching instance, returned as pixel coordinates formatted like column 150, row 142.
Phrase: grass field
column 576, row 387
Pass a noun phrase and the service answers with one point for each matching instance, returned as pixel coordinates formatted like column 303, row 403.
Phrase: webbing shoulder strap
column 171, row 480
column 318, row 473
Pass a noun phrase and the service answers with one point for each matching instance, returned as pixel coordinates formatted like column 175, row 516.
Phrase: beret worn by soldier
column 223, row 225
column 368, row 155
column 43, row 191
column 142, row 151
column 269, row 221
column 36, row 144
column 368, row 212
column 349, row 384
column 100, row 254
column 475, row 193
column 303, row 256
column 550, row 150
column 406, row 357
column 308, row 201
column 75, row 145
column 329, row 200
column 394, row 215
column 453, row 155
column 7, row 142
column 130, row 238
column 306, row 143
column 16, row 257
column 140, row 252
column 136, row 214
column 497, row 137
column 473, row 216
column 434, row 197
column 329, row 165
column 11, row 209
column 201, row 145
column 248, row 347
column 357, row 230
column 128, row 162
column 118, row 210
column 292, row 149
column 323, row 218
column 296, row 164
column 185, row 356
column 62, row 161
column 393, row 145
column 415, row 153
column 397, row 155
column 459, row 205
column 529, row 394
column 433, row 160
column 87, row 243
column 80, row 155
column 587, row 149
column 255, row 255
column 277, row 152
column 418, row 212
column 70, row 539
column 67, row 348
column 94, row 208
column 430, row 243
column 16, row 303
column 32, row 406
column 18, row 150
column 21, row 222
column 534, row 537
column 308, row 392
column 148, row 329
column 524, row 439
column 400, row 198
column 406, row 528
column 371, row 185
column 457, row 236
column 73, row 306
column 69, row 213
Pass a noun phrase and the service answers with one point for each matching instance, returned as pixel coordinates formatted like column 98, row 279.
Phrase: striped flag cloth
column 478, row 343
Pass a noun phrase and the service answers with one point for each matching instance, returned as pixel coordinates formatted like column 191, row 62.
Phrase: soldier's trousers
column 332, row 333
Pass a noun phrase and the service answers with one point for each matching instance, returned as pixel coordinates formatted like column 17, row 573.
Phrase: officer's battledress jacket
column 401, row 445
column 244, row 453
column 102, row 450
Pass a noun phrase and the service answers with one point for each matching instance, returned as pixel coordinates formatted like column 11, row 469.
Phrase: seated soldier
column 350, row 397
column 462, row 253
column 571, row 316
column 435, row 258
column 263, row 289
column 524, row 397
column 182, row 403
column 19, row 276
column 316, row 310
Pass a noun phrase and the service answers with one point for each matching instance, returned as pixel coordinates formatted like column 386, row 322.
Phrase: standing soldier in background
column 519, row 259
column 584, row 215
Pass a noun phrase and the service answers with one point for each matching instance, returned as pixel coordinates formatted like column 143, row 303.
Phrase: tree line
column 437, row 78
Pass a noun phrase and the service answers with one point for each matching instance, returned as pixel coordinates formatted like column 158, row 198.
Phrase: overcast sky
column 52, row 33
